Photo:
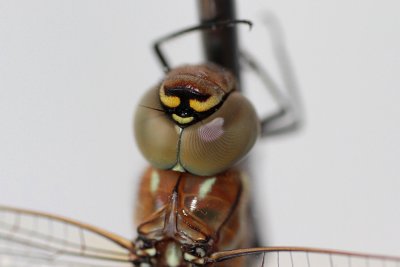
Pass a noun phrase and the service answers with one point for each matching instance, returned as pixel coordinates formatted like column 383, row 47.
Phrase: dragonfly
column 193, row 207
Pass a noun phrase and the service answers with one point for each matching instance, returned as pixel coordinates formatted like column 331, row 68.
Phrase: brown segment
column 208, row 210
column 206, row 78
column 148, row 201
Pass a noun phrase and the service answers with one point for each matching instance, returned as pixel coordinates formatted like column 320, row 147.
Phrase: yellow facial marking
column 169, row 101
column 201, row 106
column 182, row 120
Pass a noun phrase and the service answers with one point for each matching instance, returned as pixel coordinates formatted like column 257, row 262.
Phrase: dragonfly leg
column 204, row 26
column 289, row 116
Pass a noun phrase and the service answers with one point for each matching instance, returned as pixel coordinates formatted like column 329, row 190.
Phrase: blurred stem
column 220, row 45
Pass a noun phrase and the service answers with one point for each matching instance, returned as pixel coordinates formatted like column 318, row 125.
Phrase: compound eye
column 221, row 139
column 169, row 101
column 202, row 106
column 156, row 136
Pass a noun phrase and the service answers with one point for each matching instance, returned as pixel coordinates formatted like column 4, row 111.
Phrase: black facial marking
column 184, row 110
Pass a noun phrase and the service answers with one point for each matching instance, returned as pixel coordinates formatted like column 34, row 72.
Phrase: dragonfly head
column 195, row 121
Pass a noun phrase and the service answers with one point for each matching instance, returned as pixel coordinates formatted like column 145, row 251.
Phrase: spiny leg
column 289, row 116
column 201, row 27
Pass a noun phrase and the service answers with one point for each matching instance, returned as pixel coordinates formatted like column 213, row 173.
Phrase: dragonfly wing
column 299, row 257
column 29, row 238
column 12, row 261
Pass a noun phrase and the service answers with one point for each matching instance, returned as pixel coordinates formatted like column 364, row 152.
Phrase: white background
column 71, row 73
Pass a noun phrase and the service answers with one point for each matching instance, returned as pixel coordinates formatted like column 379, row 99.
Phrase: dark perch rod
column 220, row 45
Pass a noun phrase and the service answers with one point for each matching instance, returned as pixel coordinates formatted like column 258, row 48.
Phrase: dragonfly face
column 189, row 94
column 195, row 121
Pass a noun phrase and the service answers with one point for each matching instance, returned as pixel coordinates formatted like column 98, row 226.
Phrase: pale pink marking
column 212, row 131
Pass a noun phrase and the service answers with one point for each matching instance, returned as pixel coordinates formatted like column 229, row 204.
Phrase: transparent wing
column 299, row 257
column 29, row 238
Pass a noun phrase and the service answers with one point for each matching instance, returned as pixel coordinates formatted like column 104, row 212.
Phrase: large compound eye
column 220, row 140
column 156, row 136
